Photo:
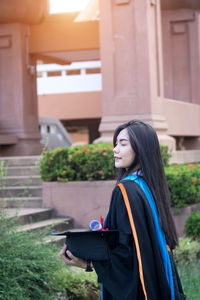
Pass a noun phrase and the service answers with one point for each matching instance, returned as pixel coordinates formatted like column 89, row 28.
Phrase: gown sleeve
column 119, row 274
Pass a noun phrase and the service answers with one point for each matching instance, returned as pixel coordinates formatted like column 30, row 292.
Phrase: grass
column 190, row 279
column 187, row 257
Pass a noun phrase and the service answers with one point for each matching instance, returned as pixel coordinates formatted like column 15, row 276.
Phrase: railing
column 77, row 77
column 53, row 133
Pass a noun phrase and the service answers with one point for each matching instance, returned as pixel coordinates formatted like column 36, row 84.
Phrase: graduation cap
column 90, row 245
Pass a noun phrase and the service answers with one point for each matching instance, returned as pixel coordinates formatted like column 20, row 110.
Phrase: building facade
column 150, row 69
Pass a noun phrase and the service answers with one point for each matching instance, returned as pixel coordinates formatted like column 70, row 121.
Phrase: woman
column 137, row 153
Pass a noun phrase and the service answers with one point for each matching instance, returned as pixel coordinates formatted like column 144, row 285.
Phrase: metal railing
column 53, row 133
column 76, row 77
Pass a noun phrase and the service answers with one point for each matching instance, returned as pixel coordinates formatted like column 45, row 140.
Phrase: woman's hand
column 73, row 260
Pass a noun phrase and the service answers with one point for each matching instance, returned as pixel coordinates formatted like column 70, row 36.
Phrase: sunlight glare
column 62, row 6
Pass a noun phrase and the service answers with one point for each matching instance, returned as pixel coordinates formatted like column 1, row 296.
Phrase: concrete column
column 18, row 96
column 132, row 72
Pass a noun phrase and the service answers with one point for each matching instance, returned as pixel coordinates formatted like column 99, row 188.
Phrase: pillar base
column 167, row 141
column 24, row 147
column 158, row 122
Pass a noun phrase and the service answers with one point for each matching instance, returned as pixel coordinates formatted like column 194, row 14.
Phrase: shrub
column 27, row 264
column 187, row 251
column 76, row 284
column 87, row 162
column 192, row 225
column 165, row 154
column 184, row 184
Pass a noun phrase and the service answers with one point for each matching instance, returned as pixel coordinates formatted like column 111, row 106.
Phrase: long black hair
column 144, row 142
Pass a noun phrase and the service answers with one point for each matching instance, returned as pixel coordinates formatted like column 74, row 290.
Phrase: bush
column 27, row 264
column 187, row 251
column 187, row 257
column 165, row 154
column 87, row 162
column 76, row 284
column 192, row 225
column 184, row 184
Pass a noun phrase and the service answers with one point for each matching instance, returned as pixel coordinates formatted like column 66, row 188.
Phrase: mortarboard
column 90, row 245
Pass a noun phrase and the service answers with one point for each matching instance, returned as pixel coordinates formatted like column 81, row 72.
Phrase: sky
column 61, row 6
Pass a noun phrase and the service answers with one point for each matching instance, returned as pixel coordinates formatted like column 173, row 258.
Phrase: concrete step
column 21, row 160
column 25, row 202
column 21, row 180
column 56, row 224
column 22, row 171
column 21, row 191
column 30, row 215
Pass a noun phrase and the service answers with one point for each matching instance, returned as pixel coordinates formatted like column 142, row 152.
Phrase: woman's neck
column 133, row 170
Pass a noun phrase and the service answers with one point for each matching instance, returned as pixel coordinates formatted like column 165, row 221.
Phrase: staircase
column 21, row 194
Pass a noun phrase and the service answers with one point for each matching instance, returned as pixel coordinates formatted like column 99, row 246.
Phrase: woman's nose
column 115, row 150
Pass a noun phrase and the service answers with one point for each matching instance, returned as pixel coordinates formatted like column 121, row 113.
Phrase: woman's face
column 123, row 152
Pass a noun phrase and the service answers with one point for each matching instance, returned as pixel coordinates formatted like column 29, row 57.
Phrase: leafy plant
column 192, row 225
column 166, row 154
column 86, row 162
column 187, row 251
column 76, row 284
column 184, row 183
column 27, row 264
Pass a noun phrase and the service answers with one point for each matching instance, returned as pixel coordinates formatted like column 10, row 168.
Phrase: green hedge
column 88, row 162
column 192, row 225
column 79, row 163
column 95, row 162
column 184, row 184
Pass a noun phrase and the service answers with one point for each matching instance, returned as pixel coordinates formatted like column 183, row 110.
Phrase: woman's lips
column 117, row 158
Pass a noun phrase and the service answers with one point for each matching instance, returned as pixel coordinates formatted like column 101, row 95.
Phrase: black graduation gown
column 120, row 275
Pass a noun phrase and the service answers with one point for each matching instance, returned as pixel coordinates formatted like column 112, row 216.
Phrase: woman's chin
column 118, row 166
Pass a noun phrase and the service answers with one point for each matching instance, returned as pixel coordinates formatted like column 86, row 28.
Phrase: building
column 150, row 67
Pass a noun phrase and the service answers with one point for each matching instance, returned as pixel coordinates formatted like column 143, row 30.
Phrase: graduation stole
column 122, row 188
column 159, row 233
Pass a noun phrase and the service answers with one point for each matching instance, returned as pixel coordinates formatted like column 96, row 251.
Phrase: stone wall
column 85, row 201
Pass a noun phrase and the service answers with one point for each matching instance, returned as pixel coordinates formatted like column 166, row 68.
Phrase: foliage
column 188, row 251
column 88, row 162
column 184, row 183
column 85, row 162
column 192, row 225
column 76, row 284
column 190, row 275
column 26, row 264
column 187, row 257
column 166, row 154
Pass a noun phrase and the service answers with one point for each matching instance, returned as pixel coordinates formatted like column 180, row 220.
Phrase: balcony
column 70, row 92
column 74, row 78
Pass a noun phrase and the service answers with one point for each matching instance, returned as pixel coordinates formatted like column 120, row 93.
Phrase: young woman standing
column 138, row 159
